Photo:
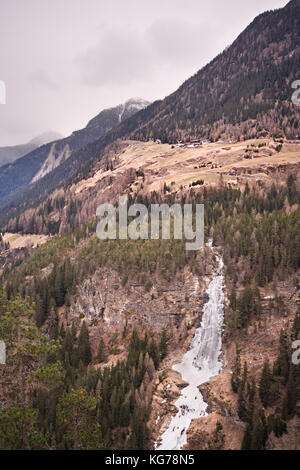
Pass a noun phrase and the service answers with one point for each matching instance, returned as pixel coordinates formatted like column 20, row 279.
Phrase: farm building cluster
column 192, row 144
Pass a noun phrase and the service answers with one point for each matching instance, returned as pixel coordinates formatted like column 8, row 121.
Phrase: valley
column 124, row 344
column 138, row 286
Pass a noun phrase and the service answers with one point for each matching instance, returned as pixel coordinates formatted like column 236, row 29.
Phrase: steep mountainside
column 95, row 330
column 16, row 178
column 128, row 167
column 126, row 312
column 12, row 153
column 244, row 92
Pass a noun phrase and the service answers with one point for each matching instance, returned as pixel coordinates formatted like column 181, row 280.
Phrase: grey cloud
column 176, row 40
column 65, row 60
column 42, row 78
column 119, row 58
column 129, row 55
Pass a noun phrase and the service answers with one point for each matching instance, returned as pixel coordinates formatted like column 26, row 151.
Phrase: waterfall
column 200, row 364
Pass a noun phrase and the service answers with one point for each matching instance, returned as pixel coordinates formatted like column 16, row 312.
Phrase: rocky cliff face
column 53, row 160
column 109, row 307
column 12, row 153
column 101, row 298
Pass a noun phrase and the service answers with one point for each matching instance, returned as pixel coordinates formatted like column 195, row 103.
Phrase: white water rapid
column 199, row 365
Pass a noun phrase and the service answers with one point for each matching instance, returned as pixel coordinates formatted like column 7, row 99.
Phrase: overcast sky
column 65, row 60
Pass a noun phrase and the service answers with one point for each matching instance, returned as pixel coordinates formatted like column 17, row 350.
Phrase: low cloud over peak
column 64, row 61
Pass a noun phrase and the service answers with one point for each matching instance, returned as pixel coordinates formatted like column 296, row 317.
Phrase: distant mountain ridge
column 244, row 92
column 11, row 153
column 17, row 177
column 108, row 119
column 45, row 138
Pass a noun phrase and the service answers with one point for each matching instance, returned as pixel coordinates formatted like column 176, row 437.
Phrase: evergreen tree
column 242, row 404
column 163, row 345
column 282, row 365
column 258, row 434
column 59, row 287
column 265, row 385
column 233, row 300
column 296, row 326
column 290, row 400
column 235, row 377
column 251, row 401
column 101, row 351
column 84, row 348
column 247, row 439
column 77, row 420
column 73, row 332
column 154, row 353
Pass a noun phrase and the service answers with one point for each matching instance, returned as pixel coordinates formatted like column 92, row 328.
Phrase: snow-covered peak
column 112, row 116
column 137, row 103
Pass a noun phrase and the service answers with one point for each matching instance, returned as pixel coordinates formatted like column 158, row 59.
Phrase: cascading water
column 199, row 365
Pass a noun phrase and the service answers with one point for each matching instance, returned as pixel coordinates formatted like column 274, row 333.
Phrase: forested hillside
column 259, row 233
column 93, row 328
column 244, row 92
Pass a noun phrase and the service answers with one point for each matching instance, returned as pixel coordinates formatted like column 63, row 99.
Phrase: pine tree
column 59, row 287
column 296, row 326
column 251, row 401
column 265, row 385
column 233, row 300
column 77, row 420
column 290, row 400
column 281, row 366
column 3, row 300
column 258, row 434
column 247, row 439
column 140, row 433
column 154, row 353
column 235, row 378
column 245, row 375
column 163, row 345
column 62, row 331
column 68, row 347
column 242, row 404
column 101, row 351
column 73, row 332
column 28, row 368
column 84, row 348
column 277, row 425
